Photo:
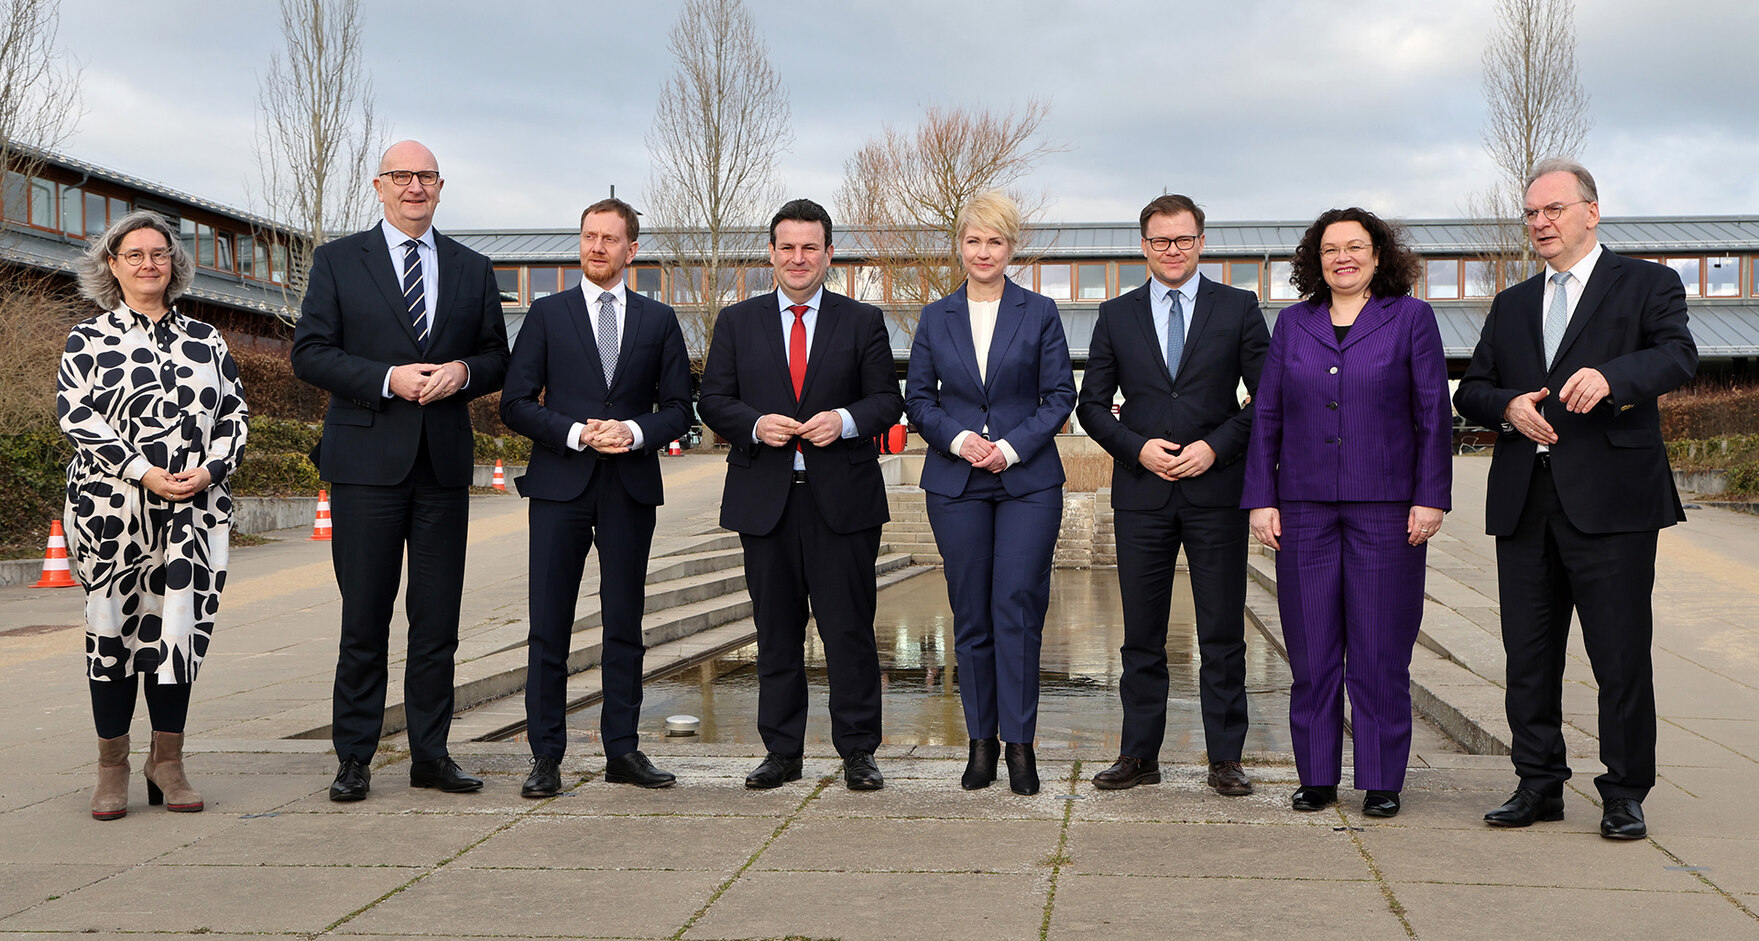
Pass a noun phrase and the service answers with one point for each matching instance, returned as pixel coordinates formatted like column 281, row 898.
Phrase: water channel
column 1078, row 703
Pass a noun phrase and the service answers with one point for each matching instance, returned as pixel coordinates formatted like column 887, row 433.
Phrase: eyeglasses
column 133, row 257
column 1551, row 212
column 402, row 177
column 1354, row 250
column 1185, row 243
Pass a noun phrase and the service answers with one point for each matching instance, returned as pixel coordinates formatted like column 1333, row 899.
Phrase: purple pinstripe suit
column 1348, row 437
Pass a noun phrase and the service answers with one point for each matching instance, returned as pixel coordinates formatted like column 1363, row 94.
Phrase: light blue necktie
column 1557, row 316
column 1175, row 333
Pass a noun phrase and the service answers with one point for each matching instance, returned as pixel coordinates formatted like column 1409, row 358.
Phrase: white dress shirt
column 619, row 303
column 1160, row 298
column 429, row 255
column 810, row 319
column 1573, row 288
column 983, row 331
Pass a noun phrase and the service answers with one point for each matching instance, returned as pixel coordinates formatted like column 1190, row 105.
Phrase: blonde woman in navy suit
column 990, row 384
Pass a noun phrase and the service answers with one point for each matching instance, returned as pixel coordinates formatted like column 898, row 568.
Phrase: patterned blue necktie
column 1557, row 316
column 415, row 293
column 1175, row 334
column 608, row 334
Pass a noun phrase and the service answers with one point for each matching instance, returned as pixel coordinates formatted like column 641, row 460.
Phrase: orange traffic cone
column 55, row 571
column 673, row 450
column 500, row 481
column 320, row 525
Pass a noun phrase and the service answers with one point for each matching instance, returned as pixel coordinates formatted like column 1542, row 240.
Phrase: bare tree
column 39, row 91
column 719, row 129
column 317, row 136
column 1536, row 108
column 904, row 190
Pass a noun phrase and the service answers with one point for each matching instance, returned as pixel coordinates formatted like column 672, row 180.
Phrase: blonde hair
column 991, row 210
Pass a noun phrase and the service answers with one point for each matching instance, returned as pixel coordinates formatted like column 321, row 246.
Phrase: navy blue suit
column 554, row 380
column 997, row 532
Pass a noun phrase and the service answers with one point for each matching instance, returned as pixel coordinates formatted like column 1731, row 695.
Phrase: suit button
column 1332, row 405
column 983, row 408
column 1175, row 395
column 1333, row 370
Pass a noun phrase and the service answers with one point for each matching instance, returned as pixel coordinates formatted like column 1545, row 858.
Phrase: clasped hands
column 606, row 436
column 778, row 430
column 983, row 454
column 179, row 486
column 1171, row 461
column 1580, row 394
column 426, row 383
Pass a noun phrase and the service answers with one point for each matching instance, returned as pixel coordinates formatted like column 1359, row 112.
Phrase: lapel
column 1009, row 313
column 1377, row 313
column 769, row 316
column 634, row 305
column 580, row 315
column 1600, row 281
column 1142, row 311
column 1201, row 309
column 958, row 313
column 451, row 260
column 829, row 321
column 376, row 256
column 1315, row 319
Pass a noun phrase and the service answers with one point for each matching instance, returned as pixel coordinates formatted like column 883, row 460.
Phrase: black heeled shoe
column 980, row 769
column 1022, row 768
column 1310, row 797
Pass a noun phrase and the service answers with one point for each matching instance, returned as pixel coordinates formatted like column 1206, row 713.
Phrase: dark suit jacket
column 1224, row 345
column 1025, row 395
column 354, row 326
column 848, row 366
column 1610, row 465
column 1365, row 420
column 555, row 379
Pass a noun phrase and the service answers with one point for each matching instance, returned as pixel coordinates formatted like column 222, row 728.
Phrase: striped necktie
column 415, row 293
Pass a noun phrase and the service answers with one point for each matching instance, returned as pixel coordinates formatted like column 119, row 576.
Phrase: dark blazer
column 1225, row 344
column 746, row 376
column 1365, row 420
column 354, row 326
column 1025, row 396
column 555, row 378
column 1610, row 465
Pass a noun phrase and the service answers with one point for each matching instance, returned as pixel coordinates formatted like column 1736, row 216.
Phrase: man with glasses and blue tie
column 1570, row 366
column 600, row 382
column 1178, row 348
column 402, row 326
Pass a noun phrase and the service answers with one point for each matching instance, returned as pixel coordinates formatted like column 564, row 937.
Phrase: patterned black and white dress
column 133, row 395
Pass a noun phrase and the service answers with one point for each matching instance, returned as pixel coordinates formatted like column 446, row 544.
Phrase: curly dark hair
column 1395, row 272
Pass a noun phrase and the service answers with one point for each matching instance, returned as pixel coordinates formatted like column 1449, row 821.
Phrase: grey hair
column 1584, row 179
column 93, row 268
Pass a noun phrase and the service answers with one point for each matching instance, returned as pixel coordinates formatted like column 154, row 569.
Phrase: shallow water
column 1078, row 695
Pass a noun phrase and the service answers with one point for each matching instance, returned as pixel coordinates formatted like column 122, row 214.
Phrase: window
column 278, row 265
column 260, row 260
column 72, row 210
column 1021, row 275
column 1722, row 277
column 906, row 285
column 1281, row 287
column 1090, row 282
column 1243, row 275
column 186, row 235
column 1443, row 277
column 727, row 285
column 247, row 256
column 42, row 203
column 223, row 251
column 17, row 205
column 686, row 285
column 94, row 214
column 1053, row 282
column 1480, row 280
column 646, row 282
column 118, row 209
column 204, row 245
column 1688, row 269
column 542, row 282
column 507, row 281
column 836, row 280
column 1211, row 270
column 571, row 278
column 1131, row 275
column 760, row 280
column 867, row 283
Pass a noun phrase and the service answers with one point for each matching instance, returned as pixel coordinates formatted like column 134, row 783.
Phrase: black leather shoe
column 1229, row 779
column 634, row 768
column 980, row 768
column 545, row 779
column 775, row 770
column 444, row 774
column 1381, row 804
column 1022, row 768
column 1127, row 772
column 1621, row 818
column 860, row 773
column 1312, row 797
column 1525, row 806
column 353, row 780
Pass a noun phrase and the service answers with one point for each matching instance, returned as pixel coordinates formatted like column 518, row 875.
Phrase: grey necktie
column 1557, row 316
column 1175, row 333
column 608, row 334
column 414, row 292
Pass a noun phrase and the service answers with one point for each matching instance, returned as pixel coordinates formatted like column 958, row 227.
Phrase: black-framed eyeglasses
column 134, row 257
column 1184, row 242
column 1551, row 212
column 402, row 177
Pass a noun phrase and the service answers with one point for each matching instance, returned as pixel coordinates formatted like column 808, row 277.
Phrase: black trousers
column 371, row 528
column 1544, row 570
column 1148, row 548
column 562, row 532
column 804, row 568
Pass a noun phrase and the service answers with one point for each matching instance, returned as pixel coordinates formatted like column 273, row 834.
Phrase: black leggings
column 113, row 704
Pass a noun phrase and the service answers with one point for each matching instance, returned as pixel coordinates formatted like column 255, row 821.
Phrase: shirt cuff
column 386, row 393
column 573, row 441
column 466, row 366
column 848, row 423
column 635, row 432
column 136, row 469
column 958, row 445
column 1008, row 452
column 754, row 438
column 216, row 471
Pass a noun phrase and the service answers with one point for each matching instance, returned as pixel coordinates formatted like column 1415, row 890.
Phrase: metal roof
column 48, row 251
column 147, row 186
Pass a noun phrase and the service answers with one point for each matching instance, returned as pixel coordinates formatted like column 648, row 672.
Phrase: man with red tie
column 799, row 380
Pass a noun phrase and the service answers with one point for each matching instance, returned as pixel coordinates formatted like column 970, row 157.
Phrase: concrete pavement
column 920, row 859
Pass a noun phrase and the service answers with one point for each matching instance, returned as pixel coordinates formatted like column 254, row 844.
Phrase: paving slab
column 23, row 885
column 715, row 844
column 1269, row 851
column 420, row 840
column 876, row 906
column 1110, row 907
column 1533, row 856
column 1443, row 912
column 539, row 902
column 870, row 845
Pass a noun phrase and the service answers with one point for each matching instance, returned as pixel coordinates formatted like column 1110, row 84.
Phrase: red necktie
column 797, row 349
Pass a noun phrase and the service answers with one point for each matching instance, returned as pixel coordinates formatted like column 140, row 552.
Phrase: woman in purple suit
column 1347, row 477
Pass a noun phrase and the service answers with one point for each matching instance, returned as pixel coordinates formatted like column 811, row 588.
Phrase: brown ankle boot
column 110, row 798
column 164, row 773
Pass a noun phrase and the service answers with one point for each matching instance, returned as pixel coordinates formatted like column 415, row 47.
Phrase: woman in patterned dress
column 151, row 401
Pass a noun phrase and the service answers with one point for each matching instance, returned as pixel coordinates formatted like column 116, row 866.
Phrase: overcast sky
column 1259, row 109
